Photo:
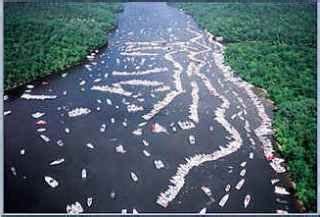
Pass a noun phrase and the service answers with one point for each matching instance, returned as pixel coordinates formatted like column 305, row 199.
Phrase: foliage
column 40, row 38
column 273, row 46
column 276, row 23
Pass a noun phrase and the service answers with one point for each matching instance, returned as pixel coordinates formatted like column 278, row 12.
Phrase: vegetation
column 41, row 38
column 273, row 46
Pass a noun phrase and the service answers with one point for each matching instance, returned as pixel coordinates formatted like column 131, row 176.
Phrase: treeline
column 273, row 46
column 43, row 38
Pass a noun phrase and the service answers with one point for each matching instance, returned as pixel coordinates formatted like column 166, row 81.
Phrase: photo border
column 141, row 214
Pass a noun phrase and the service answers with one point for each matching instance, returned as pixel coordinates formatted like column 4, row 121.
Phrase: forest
column 43, row 38
column 273, row 46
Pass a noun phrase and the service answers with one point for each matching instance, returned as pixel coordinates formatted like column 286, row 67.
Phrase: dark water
column 109, row 171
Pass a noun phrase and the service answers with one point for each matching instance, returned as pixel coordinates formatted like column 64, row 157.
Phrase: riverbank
column 273, row 46
column 49, row 37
